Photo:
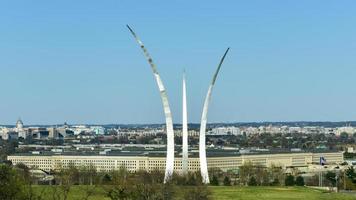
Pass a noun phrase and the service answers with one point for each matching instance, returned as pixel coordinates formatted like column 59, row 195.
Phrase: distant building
column 98, row 130
column 346, row 129
column 225, row 131
column 19, row 124
column 4, row 133
column 12, row 135
column 350, row 150
column 191, row 133
column 22, row 133
column 107, row 162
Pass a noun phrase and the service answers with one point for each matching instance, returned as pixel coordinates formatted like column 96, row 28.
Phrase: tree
column 117, row 184
column 8, row 147
column 252, row 181
column 331, row 177
column 194, row 178
column 198, row 192
column 167, row 191
column 67, row 177
column 24, row 171
column 289, row 181
column 118, row 193
column 245, row 171
column 261, row 175
column 89, row 180
column 351, row 174
column 276, row 174
column 275, row 182
column 299, row 181
column 106, row 179
column 344, row 136
column 227, row 181
column 10, row 184
column 214, row 181
column 144, row 187
column 27, row 181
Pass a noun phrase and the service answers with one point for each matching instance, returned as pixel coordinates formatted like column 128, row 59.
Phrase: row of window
column 43, row 162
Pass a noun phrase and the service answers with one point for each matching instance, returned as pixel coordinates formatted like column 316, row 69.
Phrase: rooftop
column 162, row 152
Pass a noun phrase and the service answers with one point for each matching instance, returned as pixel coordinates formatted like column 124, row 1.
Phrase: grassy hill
column 228, row 193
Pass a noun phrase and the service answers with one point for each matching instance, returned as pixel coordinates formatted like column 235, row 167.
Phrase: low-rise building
column 144, row 161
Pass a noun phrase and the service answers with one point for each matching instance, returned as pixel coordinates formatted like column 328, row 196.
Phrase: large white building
column 346, row 129
column 51, row 161
column 230, row 130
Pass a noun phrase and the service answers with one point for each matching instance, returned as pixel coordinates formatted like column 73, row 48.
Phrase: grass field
column 275, row 193
column 227, row 193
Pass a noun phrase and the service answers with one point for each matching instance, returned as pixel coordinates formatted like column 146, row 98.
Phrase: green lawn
column 275, row 193
column 228, row 193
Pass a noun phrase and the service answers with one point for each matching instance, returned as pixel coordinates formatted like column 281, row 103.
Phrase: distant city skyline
column 75, row 62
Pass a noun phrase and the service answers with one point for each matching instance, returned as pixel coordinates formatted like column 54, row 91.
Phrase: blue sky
column 75, row 61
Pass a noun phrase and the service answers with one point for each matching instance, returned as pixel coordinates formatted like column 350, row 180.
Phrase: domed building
column 21, row 131
column 19, row 124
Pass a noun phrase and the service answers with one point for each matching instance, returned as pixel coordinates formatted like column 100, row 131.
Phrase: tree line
column 18, row 183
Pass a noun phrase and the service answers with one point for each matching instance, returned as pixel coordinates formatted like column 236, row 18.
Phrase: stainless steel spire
column 167, row 111
column 204, row 119
column 184, row 131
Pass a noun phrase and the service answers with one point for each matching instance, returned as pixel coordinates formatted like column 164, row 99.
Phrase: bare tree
column 89, row 180
column 245, row 172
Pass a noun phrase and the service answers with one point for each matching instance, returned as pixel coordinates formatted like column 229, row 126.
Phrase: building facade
column 136, row 163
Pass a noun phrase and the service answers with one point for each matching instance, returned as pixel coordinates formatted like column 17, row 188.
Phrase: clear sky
column 75, row 61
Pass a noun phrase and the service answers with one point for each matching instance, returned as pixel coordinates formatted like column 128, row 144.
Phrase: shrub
column 299, row 181
column 197, row 192
column 289, row 181
column 214, row 181
column 227, row 181
column 275, row 182
column 252, row 181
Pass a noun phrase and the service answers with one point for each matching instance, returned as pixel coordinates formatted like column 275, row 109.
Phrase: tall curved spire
column 184, row 131
column 204, row 119
column 166, row 108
